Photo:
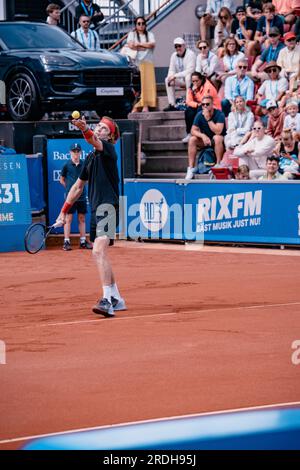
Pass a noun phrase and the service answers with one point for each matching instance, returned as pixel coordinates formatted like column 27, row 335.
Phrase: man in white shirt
column 289, row 56
column 211, row 14
column 88, row 37
column 182, row 65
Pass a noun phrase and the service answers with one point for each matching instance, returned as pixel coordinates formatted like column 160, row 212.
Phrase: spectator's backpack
column 206, row 159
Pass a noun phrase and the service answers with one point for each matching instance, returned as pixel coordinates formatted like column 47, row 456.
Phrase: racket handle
column 57, row 224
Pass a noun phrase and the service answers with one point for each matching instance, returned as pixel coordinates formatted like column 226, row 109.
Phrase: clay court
column 206, row 330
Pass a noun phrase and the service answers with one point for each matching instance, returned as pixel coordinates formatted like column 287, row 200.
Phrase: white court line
column 194, row 415
column 134, row 317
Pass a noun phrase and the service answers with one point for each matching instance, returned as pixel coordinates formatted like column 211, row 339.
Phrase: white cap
column 271, row 104
column 179, row 41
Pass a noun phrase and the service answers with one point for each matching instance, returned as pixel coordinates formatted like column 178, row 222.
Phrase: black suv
column 44, row 69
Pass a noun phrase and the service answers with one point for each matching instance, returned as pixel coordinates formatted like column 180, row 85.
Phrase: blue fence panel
column 36, row 182
column 15, row 212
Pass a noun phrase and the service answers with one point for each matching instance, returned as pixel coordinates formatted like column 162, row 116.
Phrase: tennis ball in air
column 76, row 115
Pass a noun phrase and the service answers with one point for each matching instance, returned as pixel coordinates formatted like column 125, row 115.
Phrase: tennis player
column 101, row 172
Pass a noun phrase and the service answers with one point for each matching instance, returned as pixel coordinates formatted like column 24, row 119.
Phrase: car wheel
column 22, row 99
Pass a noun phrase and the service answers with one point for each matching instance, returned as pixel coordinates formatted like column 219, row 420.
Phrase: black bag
column 206, row 159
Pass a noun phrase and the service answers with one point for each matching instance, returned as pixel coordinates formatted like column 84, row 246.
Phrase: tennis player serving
column 101, row 172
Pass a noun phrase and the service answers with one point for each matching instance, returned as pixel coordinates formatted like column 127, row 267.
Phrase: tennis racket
column 36, row 236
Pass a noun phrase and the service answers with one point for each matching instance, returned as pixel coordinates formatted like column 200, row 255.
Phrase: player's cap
column 178, row 41
column 271, row 104
column 75, row 147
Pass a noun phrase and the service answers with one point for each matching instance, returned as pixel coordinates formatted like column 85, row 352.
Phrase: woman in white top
column 207, row 61
column 230, row 59
column 223, row 27
column 143, row 42
column 240, row 121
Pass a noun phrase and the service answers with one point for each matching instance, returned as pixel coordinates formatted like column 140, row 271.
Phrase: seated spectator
column 268, row 21
column 288, row 151
column 254, row 150
column 289, row 56
column 243, row 28
column 275, row 121
column 274, row 87
column 237, row 85
column 199, row 88
column 208, row 130
column 292, row 118
column 253, row 6
column 230, row 59
column 223, row 27
column 53, row 12
column 240, row 122
column 242, row 173
column 88, row 8
column 210, row 16
column 271, row 53
column 182, row 65
column 272, row 167
column 207, row 61
column 88, row 37
column 262, row 112
column 285, row 8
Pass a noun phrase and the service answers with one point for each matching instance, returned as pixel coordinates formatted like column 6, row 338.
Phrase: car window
column 36, row 36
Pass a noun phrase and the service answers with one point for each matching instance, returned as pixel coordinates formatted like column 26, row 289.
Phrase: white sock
column 67, row 240
column 107, row 292
column 82, row 239
column 115, row 291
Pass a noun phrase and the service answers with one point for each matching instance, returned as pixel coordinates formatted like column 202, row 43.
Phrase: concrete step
column 164, row 146
column 166, row 132
column 165, row 164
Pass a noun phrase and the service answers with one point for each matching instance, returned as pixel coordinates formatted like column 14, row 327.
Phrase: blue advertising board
column 15, row 211
column 58, row 153
column 249, row 212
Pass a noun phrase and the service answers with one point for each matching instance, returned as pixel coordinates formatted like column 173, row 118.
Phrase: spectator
column 208, row 130
column 143, row 42
column 271, row 53
column 85, row 35
column 88, row 8
column 288, row 151
column 285, row 8
column 252, row 6
column 199, row 88
column 242, row 173
column 292, row 119
column 231, row 57
column 262, row 112
column 69, row 174
column 275, row 87
column 289, row 56
column 243, row 28
column 254, row 150
column 275, row 121
column 182, row 65
column 268, row 21
column 207, row 61
column 272, row 167
column 53, row 12
column 210, row 16
column 223, row 26
column 240, row 122
column 237, row 85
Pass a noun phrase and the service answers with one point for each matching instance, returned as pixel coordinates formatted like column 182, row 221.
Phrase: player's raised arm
column 88, row 134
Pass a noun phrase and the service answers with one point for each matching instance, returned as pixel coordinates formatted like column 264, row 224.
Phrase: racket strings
column 35, row 238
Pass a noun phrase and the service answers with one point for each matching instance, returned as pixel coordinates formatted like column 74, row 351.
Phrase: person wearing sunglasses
column 274, row 87
column 182, row 65
column 271, row 53
column 90, row 9
column 143, row 42
column 289, row 57
column 237, row 85
column 254, row 149
column 86, row 36
column 209, row 19
column 223, row 26
column 208, row 130
column 207, row 61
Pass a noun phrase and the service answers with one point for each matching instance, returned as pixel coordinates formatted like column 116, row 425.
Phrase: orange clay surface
column 205, row 330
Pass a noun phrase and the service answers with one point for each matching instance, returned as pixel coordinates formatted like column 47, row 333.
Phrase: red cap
column 289, row 35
